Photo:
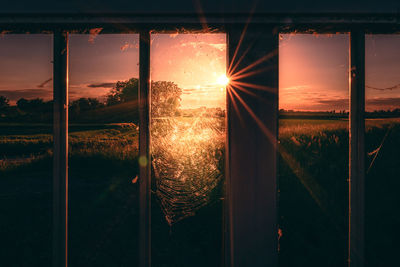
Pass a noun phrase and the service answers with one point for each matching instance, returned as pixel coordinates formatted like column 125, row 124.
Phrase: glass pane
column 382, row 144
column 313, row 148
column 187, row 146
column 26, row 148
column 103, row 149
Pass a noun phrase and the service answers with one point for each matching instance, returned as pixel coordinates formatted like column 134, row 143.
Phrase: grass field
column 313, row 191
column 102, row 197
column 103, row 166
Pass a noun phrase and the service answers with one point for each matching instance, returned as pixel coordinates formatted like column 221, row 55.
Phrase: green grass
column 313, row 190
column 289, row 127
column 107, row 141
column 122, row 112
column 102, row 165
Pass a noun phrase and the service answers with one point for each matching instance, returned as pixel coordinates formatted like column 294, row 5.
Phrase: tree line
column 337, row 113
column 165, row 99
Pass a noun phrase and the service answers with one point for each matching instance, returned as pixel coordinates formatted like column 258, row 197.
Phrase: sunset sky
column 313, row 68
column 25, row 63
column 382, row 69
column 313, row 72
column 96, row 64
column 194, row 62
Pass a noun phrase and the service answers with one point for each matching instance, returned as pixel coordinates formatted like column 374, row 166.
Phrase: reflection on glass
column 26, row 142
column 103, row 149
column 382, row 144
column 187, row 147
column 313, row 148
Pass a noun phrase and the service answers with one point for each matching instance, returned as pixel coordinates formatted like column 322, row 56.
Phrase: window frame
column 268, row 26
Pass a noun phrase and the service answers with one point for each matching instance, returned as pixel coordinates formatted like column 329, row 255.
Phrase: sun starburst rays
column 241, row 81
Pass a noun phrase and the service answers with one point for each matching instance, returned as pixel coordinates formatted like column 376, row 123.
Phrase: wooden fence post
column 252, row 145
column 144, row 150
column 356, row 157
column 60, row 157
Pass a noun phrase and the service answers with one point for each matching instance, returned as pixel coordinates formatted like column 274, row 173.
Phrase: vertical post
column 252, row 146
column 356, row 157
column 226, row 257
column 60, row 135
column 144, row 150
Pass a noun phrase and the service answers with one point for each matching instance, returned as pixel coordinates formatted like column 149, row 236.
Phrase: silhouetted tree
column 84, row 104
column 4, row 102
column 22, row 103
column 165, row 98
column 35, row 109
column 33, row 105
column 123, row 91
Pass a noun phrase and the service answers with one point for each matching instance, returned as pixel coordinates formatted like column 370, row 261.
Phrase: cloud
column 196, row 45
column 390, row 101
column 102, row 85
column 294, row 88
column 341, row 102
column 27, row 93
column 220, row 47
column 45, row 82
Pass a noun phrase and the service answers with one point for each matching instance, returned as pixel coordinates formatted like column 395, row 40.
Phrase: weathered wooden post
column 357, row 168
column 144, row 150
column 252, row 147
column 60, row 135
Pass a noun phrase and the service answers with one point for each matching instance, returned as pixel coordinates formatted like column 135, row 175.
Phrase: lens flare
column 223, row 80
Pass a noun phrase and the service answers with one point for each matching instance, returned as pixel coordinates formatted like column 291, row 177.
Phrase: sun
column 223, row 80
